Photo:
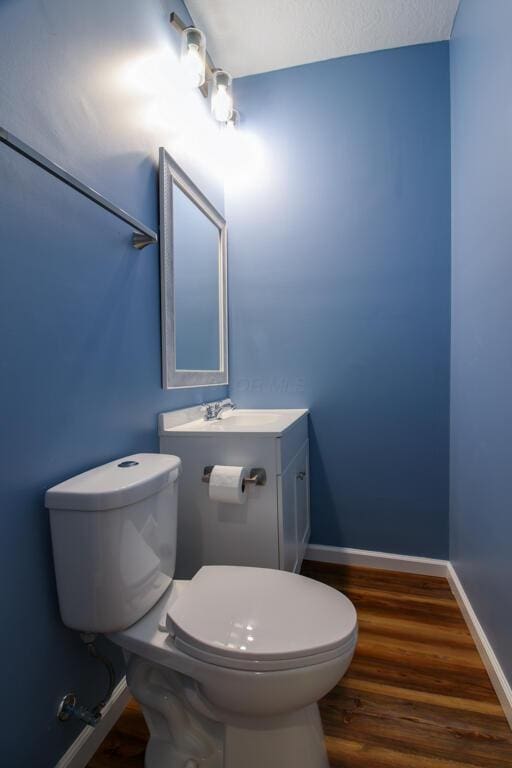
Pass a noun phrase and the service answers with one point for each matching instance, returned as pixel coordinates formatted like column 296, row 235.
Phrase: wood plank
column 347, row 753
column 120, row 750
column 490, row 708
column 416, row 695
column 384, row 723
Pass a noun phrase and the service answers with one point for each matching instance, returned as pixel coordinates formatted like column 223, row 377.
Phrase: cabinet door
column 294, row 511
column 288, row 520
column 302, row 502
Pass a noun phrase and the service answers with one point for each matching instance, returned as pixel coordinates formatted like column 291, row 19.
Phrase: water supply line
column 70, row 707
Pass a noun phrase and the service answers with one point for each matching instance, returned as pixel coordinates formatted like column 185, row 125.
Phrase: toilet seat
column 261, row 619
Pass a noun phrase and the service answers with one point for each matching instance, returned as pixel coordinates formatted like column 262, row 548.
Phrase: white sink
column 233, row 419
column 255, row 421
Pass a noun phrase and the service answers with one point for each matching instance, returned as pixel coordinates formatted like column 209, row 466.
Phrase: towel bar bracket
column 140, row 241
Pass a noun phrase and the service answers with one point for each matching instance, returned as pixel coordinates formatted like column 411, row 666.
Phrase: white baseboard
column 84, row 747
column 426, row 566
column 491, row 663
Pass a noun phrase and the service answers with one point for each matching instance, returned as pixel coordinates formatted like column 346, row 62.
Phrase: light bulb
column 233, row 121
column 222, row 96
column 222, row 104
column 193, row 54
column 194, row 66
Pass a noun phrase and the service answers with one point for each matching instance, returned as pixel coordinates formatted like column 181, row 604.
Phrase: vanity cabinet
column 271, row 529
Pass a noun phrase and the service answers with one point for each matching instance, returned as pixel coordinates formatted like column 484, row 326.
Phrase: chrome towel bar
column 143, row 235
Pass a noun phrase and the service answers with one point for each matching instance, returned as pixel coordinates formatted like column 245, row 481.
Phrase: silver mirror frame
column 171, row 173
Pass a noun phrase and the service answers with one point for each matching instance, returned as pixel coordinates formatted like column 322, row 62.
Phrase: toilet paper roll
column 227, row 484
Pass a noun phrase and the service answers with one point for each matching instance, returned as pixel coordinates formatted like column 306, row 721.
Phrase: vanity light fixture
column 200, row 70
column 193, row 56
column 222, row 95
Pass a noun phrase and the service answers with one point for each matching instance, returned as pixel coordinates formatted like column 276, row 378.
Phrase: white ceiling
column 250, row 36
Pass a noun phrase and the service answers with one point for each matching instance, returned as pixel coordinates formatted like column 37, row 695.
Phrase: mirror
column 193, row 283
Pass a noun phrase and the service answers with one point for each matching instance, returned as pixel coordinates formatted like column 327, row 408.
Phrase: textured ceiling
column 250, row 36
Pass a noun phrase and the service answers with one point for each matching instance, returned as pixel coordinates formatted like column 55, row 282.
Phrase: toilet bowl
column 210, row 701
column 228, row 667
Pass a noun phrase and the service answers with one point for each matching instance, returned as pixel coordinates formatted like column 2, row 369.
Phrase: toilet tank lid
column 116, row 484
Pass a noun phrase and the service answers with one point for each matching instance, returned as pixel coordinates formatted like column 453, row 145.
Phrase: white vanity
column 271, row 529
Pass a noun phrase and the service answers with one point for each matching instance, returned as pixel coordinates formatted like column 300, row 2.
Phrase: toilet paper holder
column 257, row 475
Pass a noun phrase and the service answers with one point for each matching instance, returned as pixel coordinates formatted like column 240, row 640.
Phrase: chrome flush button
column 124, row 464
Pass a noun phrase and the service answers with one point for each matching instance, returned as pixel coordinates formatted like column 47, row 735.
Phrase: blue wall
column 339, row 296
column 92, row 86
column 481, row 402
column 340, row 286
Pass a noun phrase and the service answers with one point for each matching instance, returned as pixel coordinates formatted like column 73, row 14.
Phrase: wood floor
column 415, row 696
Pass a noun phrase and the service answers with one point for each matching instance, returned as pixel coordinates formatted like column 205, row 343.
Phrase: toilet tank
column 114, row 540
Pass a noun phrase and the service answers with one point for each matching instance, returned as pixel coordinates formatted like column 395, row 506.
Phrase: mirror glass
column 193, row 244
column 196, row 286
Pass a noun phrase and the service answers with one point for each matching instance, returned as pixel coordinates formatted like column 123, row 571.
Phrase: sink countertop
column 269, row 422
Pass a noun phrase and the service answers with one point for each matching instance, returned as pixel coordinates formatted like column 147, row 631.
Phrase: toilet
column 228, row 666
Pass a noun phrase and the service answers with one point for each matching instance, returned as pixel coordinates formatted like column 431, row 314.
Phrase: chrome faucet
column 213, row 411
column 223, row 405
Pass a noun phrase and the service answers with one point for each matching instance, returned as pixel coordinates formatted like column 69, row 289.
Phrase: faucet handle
column 227, row 403
column 210, row 410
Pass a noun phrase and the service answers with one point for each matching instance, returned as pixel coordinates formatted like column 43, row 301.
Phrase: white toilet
column 228, row 667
